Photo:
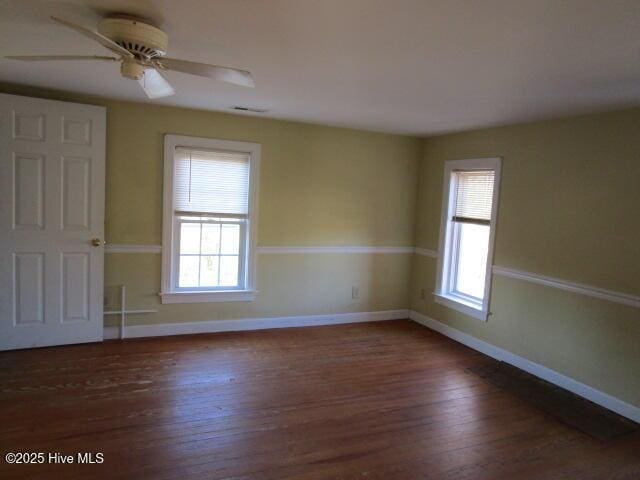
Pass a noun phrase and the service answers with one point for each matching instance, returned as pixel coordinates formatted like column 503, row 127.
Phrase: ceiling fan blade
column 31, row 58
column 155, row 85
column 224, row 74
column 101, row 39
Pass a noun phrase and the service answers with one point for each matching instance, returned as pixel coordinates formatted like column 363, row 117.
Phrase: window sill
column 468, row 308
column 207, row 297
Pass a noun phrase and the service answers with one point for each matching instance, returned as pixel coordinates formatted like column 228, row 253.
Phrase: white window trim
column 479, row 311
column 168, row 293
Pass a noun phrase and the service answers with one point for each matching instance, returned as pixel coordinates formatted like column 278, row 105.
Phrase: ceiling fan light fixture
column 131, row 69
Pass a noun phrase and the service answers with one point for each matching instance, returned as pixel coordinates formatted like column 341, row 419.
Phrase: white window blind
column 474, row 196
column 211, row 183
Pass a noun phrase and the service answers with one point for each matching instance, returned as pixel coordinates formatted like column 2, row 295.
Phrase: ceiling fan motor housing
column 140, row 38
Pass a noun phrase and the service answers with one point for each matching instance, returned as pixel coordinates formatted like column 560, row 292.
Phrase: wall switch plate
column 355, row 292
column 423, row 294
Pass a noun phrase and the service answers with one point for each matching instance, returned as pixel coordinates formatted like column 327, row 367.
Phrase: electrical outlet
column 423, row 294
column 355, row 292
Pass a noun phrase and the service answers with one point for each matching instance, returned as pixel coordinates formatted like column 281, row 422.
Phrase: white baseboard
column 212, row 326
column 596, row 396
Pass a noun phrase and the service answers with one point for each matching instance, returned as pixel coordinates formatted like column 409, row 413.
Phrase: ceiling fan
column 140, row 47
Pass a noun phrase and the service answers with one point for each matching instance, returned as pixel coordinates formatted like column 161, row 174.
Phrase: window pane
column 188, row 271
column 473, row 246
column 190, row 238
column 231, row 239
column 210, row 239
column 229, row 271
column 208, row 271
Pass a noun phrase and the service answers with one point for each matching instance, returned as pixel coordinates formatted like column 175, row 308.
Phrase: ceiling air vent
column 249, row 109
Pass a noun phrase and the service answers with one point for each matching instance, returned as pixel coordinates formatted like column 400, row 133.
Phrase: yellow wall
column 288, row 284
column 319, row 186
column 569, row 208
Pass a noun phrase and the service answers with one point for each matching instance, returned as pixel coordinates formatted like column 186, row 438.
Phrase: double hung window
column 209, row 233
column 466, row 244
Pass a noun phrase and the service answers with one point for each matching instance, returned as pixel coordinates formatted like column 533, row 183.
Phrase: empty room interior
column 320, row 239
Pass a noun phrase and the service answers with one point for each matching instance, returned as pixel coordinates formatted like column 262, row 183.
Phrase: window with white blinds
column 209, row 234
column 474, row 196
column 211, row 183
column 467, row 241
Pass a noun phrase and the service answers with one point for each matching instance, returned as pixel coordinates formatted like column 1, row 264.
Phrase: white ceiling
column 404, row 66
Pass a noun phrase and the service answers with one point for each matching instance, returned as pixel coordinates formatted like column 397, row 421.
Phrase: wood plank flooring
column 385, row 400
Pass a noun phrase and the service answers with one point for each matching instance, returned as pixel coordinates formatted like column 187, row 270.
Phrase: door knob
column 96, row 242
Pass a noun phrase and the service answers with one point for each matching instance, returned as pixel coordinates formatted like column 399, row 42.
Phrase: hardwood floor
column 386, row 400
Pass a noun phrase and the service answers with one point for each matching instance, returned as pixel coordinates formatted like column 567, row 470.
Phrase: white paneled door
column 52, row 157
